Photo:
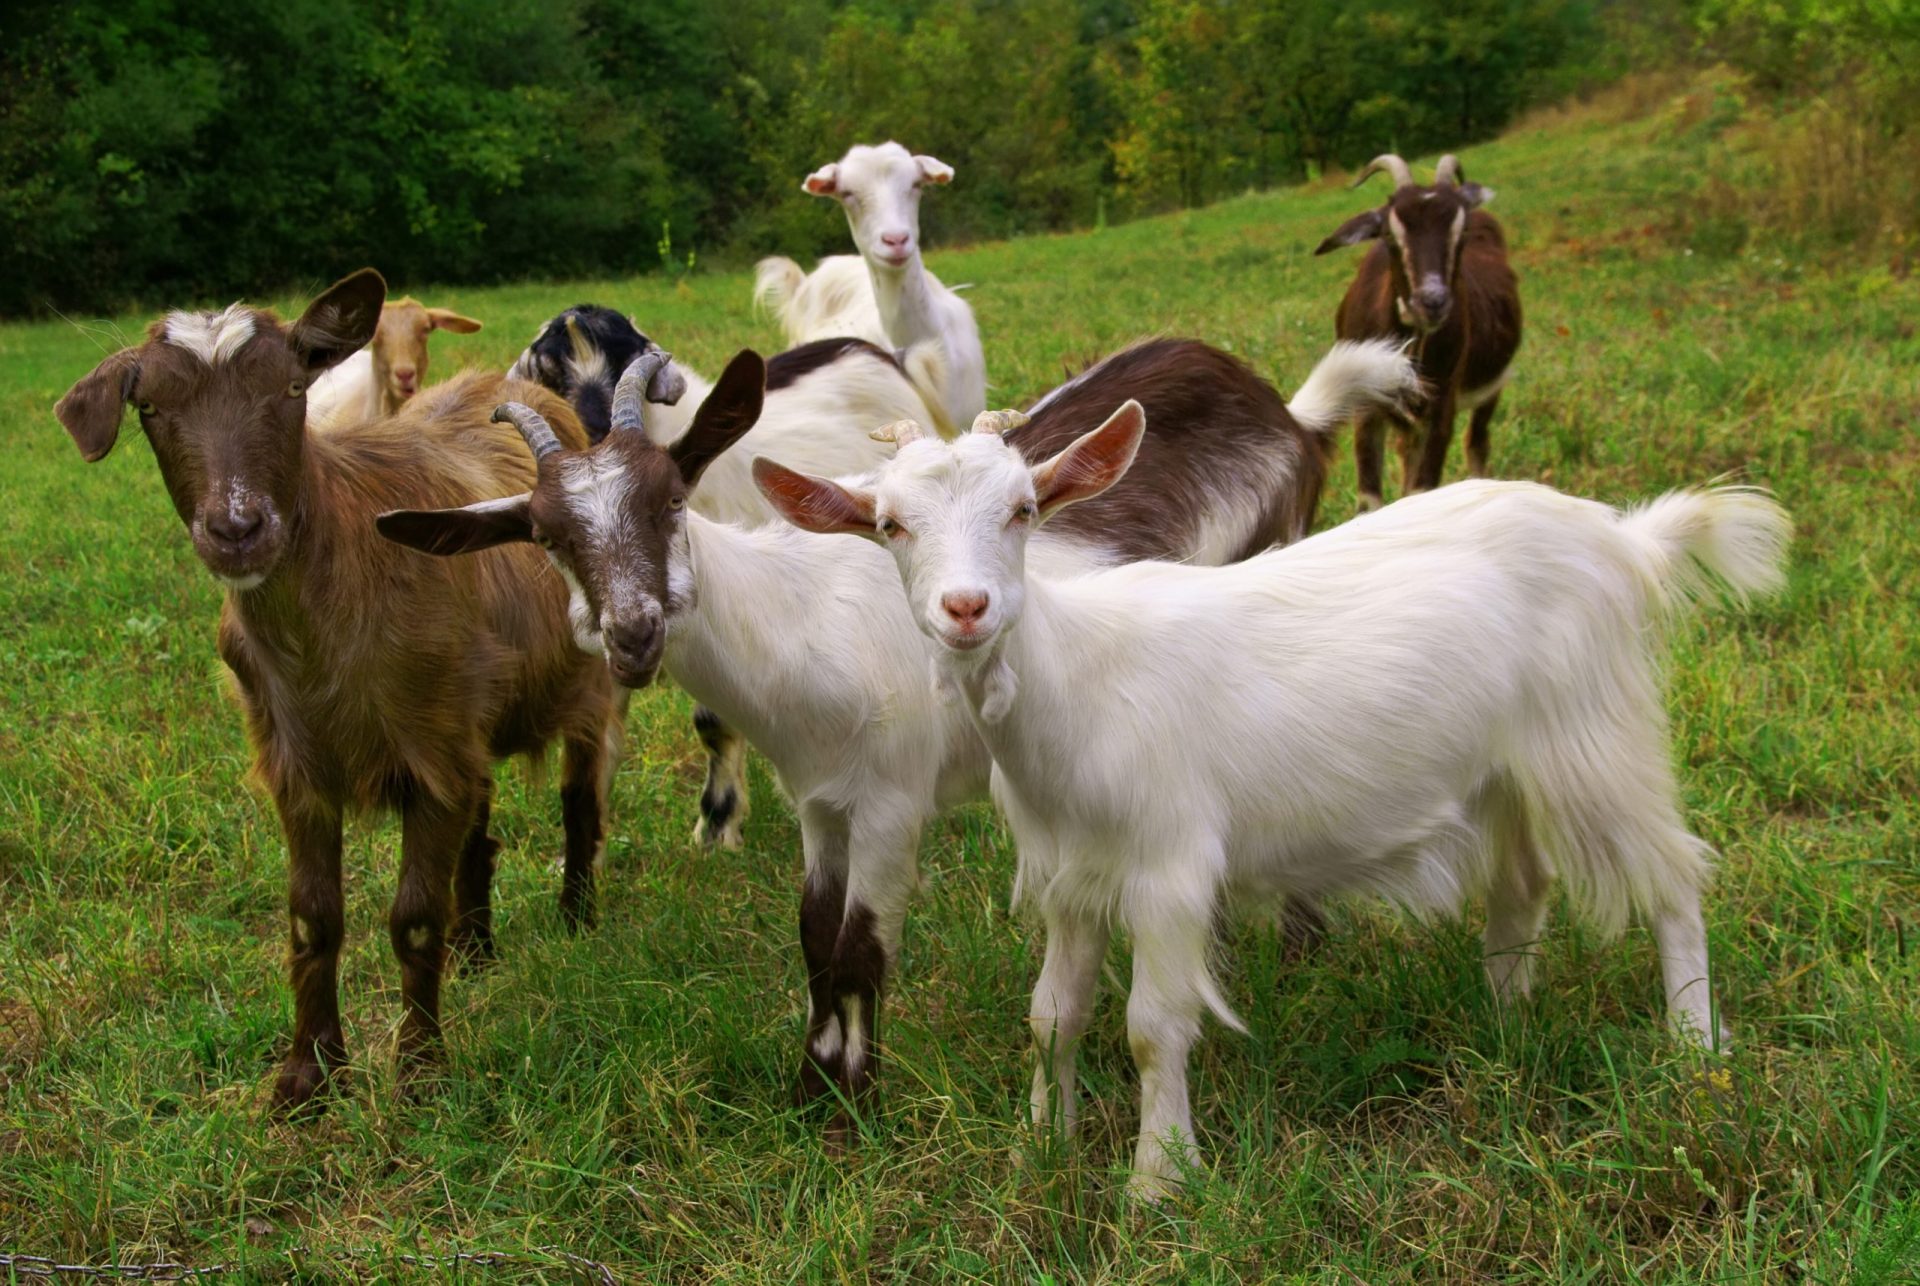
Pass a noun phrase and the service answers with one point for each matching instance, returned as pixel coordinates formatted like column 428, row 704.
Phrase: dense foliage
column 166, row 148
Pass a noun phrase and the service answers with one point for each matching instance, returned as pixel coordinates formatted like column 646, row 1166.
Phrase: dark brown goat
column 1437, row 278
column 370, row 678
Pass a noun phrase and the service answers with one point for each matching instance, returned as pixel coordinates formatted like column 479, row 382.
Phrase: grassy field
column 621, row 1095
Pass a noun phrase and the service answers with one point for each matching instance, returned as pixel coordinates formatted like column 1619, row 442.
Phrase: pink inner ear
column 824, row 182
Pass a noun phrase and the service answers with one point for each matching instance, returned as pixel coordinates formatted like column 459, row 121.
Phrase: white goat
column 1454, row 694
column 801, row 642
column 893, row 300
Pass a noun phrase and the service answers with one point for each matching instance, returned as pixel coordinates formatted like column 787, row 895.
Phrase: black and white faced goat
column 802, row 642
column 1522, row 731
column 823, row 400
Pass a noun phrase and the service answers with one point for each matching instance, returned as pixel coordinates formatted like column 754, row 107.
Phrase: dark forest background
column 207, row 148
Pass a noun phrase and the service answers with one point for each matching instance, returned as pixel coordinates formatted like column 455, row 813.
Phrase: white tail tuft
column 1352, row 377
column 1731, row 539
column 775, row 280
column 925, row 365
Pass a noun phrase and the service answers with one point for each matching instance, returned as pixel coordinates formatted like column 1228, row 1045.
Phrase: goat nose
column 234, row 526
column 894, row 239
column 1434, row 298
column 965, row 609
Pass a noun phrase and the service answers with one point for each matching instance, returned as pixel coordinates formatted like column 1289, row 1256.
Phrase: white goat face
column 956, row 515
column 879, row 187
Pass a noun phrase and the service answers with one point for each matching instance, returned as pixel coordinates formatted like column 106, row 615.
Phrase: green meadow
column 622, row 1095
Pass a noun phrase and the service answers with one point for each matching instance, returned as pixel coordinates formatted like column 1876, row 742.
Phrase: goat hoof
column 719, row 824
column 813, row 1083
column 841, row 1135
column 298, row 1090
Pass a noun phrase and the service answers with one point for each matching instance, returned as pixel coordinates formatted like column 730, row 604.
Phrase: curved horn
column 900, row 433
column 998, row 422
column 532, row 425
column 1402, row 176
column 1448, row 173
column 629, row 395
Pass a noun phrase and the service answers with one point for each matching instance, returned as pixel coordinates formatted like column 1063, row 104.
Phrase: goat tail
column 925, row 366
column 776, row 279
column 1354, row 376
column 1696, row 543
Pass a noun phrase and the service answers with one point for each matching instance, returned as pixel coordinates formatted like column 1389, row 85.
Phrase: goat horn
column 900, row 432
column 998, row 422
column 629, row 395
column 532, row 425
column 1402, row 176
column 1448, row 172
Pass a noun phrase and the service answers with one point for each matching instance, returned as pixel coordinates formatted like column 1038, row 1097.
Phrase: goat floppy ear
column 824, row 181
column 1361, row 227
column 814, row 504
column 460, row 531
column 933, row 170
column 340, row 322
column 447, row 319
column 91, row 409
column 1092, row 462
column 728, row 412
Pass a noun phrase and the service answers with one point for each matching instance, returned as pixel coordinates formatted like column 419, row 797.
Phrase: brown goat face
column 222, row 399
column 614, row 521
column 1422, row 228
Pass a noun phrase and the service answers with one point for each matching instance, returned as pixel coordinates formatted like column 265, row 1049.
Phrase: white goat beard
column 998, row 685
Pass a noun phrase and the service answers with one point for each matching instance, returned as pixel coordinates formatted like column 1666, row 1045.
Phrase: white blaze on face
column 211, row 337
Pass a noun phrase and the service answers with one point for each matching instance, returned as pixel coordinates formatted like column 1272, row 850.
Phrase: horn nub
column 629, row 395
column 532, row 425
column 998, row 422
column 1448, row 172
column 1392, row 164
column 900, row 432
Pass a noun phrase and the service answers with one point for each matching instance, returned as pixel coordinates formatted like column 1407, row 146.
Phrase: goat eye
column 296, row 388
column 1025, row 513
column 145, row 408
column 888, row 527
column 677, row 503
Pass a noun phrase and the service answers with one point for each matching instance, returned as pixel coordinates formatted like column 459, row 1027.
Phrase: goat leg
column 473, row 888
column 316, row 921
column 432, row 832
column 1433, row 450
column 582, row 811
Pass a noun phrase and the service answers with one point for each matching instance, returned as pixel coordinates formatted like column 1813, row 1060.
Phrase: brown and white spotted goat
column 1437, row 278
column 794, row 640
column 370, row 677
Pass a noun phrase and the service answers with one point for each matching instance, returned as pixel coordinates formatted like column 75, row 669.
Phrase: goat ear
column 814, row 504
column 460, row 531
column 447, row 319
column 340, row 322
column 724, row 417
column 1361, row 227
column 91, row 410
column 824, row 181
column 933, row 170
column 1475, row 194
column 1092, row 462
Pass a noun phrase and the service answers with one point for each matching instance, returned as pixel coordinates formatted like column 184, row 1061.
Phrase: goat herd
column 1456, row 694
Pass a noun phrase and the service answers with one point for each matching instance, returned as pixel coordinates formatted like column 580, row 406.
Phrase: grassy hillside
column 622, row 1095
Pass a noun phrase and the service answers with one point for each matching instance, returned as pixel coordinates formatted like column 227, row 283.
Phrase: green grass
column 622, row 1094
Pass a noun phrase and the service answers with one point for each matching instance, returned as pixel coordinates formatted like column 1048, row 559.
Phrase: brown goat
column 379, row 379
column 1436, row 278
column 370, row 678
